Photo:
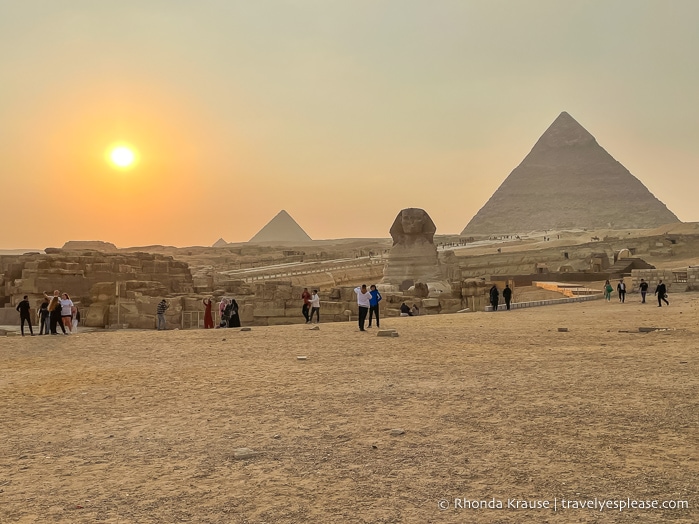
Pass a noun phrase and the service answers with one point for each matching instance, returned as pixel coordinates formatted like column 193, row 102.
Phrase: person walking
column 208, row 319
column 44, row 317
column 363, row 302
column 661, row 291
column 494, row 297
column 621, row 289
column 643, row 286
column 507, row 295
column 160, row 310
column 306, row 296
column 315, row 307
column 608, row 291
column 24, row 314
column 374, row 304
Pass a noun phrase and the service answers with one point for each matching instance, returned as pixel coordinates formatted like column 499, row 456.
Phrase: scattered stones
column 396, row 432
column 314, row 328
column 650, row 329
column 562, row 330
column 463, row 310
column 244, row 453
column 277, row 436
column 386, row 333
column 301, row 358
column 246, row 329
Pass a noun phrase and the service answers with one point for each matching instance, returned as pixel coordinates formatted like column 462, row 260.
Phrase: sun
column 122, row 156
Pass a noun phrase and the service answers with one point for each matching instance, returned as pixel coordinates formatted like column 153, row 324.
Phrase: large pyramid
column 569, row 181
column 282, row 228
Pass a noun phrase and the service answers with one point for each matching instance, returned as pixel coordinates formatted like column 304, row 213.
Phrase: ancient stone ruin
column 569, row 181
column 413, row 257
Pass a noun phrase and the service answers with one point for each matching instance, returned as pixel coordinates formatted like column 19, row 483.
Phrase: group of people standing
column 228, row 310
column 311, row 305
column 660, row 291
column 495, row 296
column 56, row 310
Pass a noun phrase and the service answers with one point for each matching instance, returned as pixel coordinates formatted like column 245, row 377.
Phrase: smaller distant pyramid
column 282, row 228
column 220, row 243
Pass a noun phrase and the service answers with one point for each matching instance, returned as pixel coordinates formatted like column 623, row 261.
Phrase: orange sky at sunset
column 340, row 113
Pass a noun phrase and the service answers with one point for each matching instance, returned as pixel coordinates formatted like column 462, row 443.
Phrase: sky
column 340, row 112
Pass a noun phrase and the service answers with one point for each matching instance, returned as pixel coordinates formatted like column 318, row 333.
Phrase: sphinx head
column 412, row 224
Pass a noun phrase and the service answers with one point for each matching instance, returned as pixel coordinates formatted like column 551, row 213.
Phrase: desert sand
column 140, row 426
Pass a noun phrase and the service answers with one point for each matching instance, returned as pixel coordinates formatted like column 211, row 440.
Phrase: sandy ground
column 143, row 426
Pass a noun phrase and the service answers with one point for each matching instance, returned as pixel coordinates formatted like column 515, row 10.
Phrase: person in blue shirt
column 374, row 304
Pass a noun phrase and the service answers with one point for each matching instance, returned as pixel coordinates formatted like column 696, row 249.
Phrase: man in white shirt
column 363, row 301
column 315, row 307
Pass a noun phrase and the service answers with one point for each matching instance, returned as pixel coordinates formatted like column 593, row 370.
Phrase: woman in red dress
column 208, row 320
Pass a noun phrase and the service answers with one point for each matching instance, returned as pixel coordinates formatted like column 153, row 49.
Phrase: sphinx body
column 413, row 257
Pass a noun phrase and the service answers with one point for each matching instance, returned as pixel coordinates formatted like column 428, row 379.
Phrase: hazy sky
column 340, row 112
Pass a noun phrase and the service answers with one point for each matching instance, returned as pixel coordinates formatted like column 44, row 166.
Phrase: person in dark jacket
column 494, row 297
column 621, row 289
column 24, row 316
column 374, row 304
column 55, row 316
column 661, row 291
column 643, row 286
column 44, row 317
column 507, row 295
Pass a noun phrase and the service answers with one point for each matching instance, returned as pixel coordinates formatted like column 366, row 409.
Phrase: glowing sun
column 122, row 156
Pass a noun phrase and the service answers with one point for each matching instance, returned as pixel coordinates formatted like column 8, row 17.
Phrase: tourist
column 208, row 320
column 306, row 296
column 55, row 316
column 643, row 286
column 75, row 320
column 621, row 289
column 494, row 297
column 507, row 295
column 43, row 313
column 608, row 291
column 163, row 306
column 24, row 314
column 315, row 307
column 374, row 304
column 66, row 311
column 661, row 291
column 363, row 298
column 414, row 311
column 233, row 316
column 223, row 320
column 405, row 310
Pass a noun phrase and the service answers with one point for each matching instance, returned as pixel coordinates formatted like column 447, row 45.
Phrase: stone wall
column 676, row 280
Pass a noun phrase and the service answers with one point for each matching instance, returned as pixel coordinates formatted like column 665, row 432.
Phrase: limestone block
column 332, row 308
column 263, row 310
column 246, row 312
column 283, row 292
column 97, row 315
column 450, row 305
